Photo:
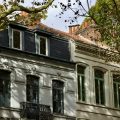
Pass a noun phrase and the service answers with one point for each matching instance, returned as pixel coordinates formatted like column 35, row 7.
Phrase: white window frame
column 81, row 75
column 20, row 39
column 100, row 79
column 37, row 41
column 117, row 84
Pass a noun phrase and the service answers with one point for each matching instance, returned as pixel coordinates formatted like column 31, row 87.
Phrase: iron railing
column 35, row 111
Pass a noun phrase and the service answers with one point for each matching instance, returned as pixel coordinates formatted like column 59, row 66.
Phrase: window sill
column 63, row 116
column 97, row 105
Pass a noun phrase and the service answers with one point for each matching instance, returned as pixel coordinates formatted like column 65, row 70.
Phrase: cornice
column 96, row 51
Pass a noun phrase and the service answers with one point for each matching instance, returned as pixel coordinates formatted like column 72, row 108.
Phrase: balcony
column 35, row 111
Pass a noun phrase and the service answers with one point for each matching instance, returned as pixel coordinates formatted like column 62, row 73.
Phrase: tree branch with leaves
column 10, row 11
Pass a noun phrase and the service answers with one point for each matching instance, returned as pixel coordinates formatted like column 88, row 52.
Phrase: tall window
column 4, row 88
column 99, row 87
column 42, row 48
column 81, row 82
column 58, row 96
column 32, row 89
column 16, row 41
column 116, row 88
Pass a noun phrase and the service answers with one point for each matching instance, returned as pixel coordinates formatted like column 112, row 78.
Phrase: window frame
column 79, row 87
column 33, row 88
column 116, row 105
column 9, row 88
column 62, row 99
column 98, row 80
column 12, row 42
column 37, row 42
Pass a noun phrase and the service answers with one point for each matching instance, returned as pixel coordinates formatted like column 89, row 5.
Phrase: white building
column 37, row 79
column 49, row 74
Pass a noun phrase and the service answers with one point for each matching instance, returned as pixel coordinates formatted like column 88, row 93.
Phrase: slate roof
column 68, row 36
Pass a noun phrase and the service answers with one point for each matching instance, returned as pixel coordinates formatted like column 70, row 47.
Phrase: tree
column 10, row 10
column 105, row 17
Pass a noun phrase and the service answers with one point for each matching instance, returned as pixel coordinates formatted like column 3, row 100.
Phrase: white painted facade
column 20, row 67
column 89, row 110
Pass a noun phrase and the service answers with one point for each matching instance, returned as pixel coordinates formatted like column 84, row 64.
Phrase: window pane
column 99, row 87
column 83, row 88
column 80, row 69
column 99, row 74
column 4, row 88
column 119, row 94
column 42, row 45
column 16, row 39
column 116, row 88
column 102, row 97
column 32, row 89
column 79, row 86
column 97, row 91
column 58, row 104
column 81, row 82
column 115, row 95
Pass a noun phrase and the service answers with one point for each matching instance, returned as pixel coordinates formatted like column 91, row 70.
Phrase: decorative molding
column 97, row 51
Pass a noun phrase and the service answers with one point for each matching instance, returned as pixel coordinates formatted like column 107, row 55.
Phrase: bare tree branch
column 17, row 7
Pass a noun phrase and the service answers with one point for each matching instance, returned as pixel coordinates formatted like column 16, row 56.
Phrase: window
column 4, row 88
column 116, row 88
column 17, row 39
column 42, row 47
column 81, row 82
column 58, row 100
column 32, row 89
column 99, row 87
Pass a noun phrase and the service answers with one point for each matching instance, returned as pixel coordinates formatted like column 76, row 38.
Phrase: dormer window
column 41, row 45
column 16, row 39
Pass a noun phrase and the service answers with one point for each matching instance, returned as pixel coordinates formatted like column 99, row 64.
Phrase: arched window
column 32, row 89
column 99, row 87
column 58, row 96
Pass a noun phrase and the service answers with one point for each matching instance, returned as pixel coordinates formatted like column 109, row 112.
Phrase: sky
column 54, row 21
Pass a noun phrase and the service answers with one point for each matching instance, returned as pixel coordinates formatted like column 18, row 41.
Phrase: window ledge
column 96, row 105
column 63, row 116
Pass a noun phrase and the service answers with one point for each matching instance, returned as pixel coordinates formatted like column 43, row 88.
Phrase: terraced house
column 47, row 74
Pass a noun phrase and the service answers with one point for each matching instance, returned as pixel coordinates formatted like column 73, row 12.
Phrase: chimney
column 74, row 28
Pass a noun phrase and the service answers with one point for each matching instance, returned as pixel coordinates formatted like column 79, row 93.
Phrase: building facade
column 36, row 75
column 53, row 75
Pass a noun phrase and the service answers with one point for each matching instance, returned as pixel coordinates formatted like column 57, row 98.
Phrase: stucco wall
column 20, row 67
column 89, row 110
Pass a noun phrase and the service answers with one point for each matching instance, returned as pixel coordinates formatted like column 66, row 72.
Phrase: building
column 98, row 80
column 52, row 75
column 36, row 75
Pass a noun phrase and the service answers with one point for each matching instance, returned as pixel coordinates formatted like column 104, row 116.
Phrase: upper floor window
column 58, row 96
column 16, row 39
column 81, row 82
column 41, row 45
column 116, row 88
column 32, row 89
column 99, row 87
column 4, row 88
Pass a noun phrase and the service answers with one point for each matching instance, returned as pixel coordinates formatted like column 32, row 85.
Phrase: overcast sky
column 59, row 23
